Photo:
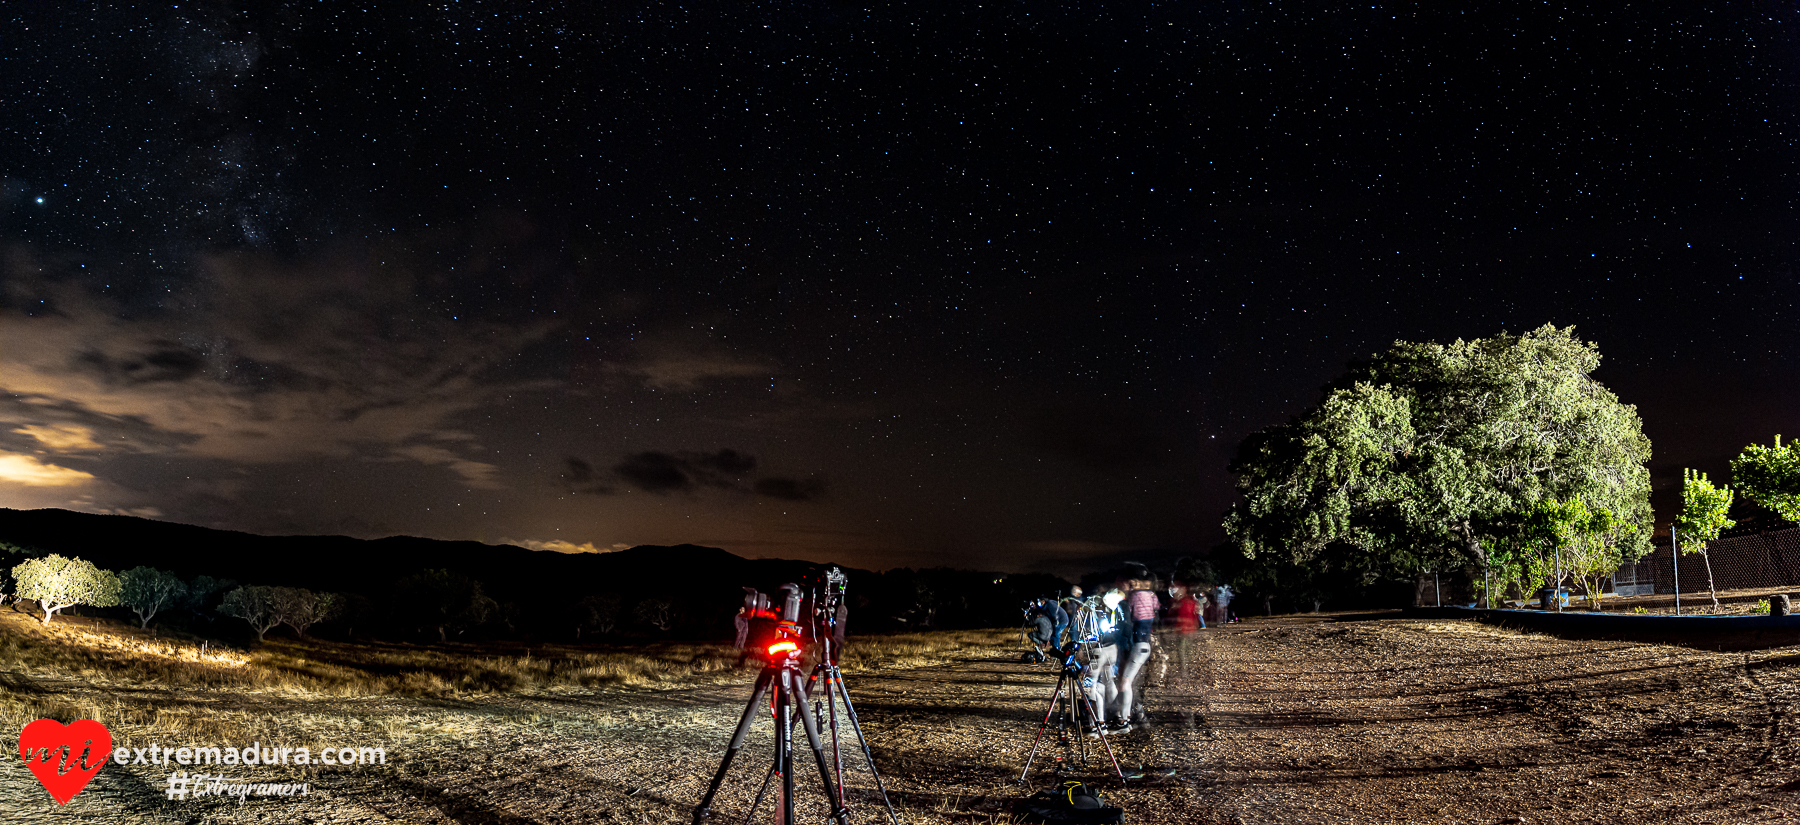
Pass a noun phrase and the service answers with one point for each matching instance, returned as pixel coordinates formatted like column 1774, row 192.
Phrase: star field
column 985, row 284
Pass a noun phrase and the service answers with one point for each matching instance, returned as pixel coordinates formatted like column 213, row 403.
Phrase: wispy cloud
column 62, row 438
column 686, row 472
column 264, row 365
column 29, row 471
column 682, row 363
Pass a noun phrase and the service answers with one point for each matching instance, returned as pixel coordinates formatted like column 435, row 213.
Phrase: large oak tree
column 1417, row 458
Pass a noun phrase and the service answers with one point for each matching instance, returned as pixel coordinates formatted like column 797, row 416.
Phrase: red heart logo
column 87, row 742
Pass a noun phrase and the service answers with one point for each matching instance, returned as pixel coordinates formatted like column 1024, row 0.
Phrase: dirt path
column 1400, row 721
column 1296, row 720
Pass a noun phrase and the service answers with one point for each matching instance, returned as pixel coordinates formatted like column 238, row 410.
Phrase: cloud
column 560, row 546
column 680, row 363
column 30, row 472
column 1074, row 548
column 578, row 476
column 255, row 363
column 62, row 438
column 685, row 472
column 658, row 472
column 789, row 489
column 476, row 473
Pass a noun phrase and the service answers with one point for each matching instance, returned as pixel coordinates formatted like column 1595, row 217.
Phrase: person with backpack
column 1101, row 680
column 1140, row 607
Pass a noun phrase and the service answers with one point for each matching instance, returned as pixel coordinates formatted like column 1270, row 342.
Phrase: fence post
column 1437, row 589
column 1675, row 556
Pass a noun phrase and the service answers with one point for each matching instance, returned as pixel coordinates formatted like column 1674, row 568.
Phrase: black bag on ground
column 1074, row 802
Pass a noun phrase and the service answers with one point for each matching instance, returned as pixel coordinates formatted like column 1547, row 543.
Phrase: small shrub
column 1640, row 609
column 1762, row 606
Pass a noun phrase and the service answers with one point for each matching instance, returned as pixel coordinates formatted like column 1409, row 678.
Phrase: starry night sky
column 994, row 285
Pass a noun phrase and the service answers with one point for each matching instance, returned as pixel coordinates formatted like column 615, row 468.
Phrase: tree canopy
column 254, row 604
column 1770, row 476
column 147, row 590
column 55, row 582
column 1421, row 455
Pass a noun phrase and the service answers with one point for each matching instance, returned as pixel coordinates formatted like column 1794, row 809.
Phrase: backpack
column 1074, row 802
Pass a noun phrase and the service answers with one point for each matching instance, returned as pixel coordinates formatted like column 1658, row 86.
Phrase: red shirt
column 1187, row 615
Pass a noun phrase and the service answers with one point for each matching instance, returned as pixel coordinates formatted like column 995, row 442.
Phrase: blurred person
column 1224, row 596
column 1102, row 675
column 742, row 621
column 1072, row 605
column 1140, row 608
column 1059, row 619
column 1042, row 626
column 1185, row 622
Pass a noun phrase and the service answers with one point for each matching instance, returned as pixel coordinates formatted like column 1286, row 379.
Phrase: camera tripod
column 834, row 691
column 782, row 673
column 1077, row 704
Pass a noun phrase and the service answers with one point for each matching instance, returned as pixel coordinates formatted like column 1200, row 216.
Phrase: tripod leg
column 737, row 742
column 784, row 747
column 833, row 684
column 850, row 713
column 1040, row 734
column 761, row 792
column 1089, row 703
column 818, row 748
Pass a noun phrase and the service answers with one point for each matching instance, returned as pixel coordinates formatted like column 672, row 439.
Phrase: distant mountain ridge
column 368, row 566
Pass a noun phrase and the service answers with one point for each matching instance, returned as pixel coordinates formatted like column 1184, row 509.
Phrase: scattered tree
column 1770, row 476
column 1569, row 540
column 147, row 590
column 55, row 583
column 201, row 599
column 300, row 608
column 1428, row 453
column 445, row 601
column 658, row 613
column 254, row 604
column 354, row 609
column 598, row 612
column 1705, row 513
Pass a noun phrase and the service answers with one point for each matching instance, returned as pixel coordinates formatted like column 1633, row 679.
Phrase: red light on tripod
column 782, row 647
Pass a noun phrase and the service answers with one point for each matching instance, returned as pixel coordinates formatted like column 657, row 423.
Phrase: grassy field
column 116, row 655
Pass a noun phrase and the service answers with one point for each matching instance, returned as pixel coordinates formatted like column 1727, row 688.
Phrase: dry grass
column 108, row 653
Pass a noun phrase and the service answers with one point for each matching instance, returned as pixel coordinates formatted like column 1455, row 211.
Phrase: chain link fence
column 1744, row 567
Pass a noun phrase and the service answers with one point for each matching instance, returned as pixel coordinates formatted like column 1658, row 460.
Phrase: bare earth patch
column 1287, row 720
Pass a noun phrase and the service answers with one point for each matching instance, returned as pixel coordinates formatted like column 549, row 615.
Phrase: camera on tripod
column 812, row 700
column 773, row 636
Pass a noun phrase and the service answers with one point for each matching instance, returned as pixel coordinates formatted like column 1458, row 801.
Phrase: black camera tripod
column 783, row 674
column 827, row 669
column 1078, row 704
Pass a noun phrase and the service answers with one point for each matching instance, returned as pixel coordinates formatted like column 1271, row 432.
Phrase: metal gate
column 1634, row 580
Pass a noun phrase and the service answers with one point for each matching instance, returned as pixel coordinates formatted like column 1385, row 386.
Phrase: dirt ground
column 1315, row 719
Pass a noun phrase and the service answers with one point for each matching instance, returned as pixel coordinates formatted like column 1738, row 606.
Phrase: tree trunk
column 1707, row 557
column 1480, row 558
